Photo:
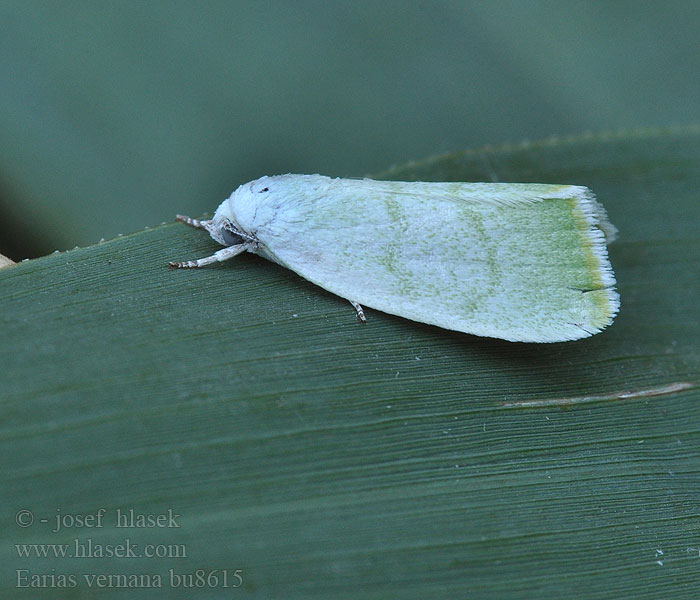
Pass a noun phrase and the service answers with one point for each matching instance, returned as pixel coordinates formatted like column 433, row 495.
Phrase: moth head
column 261, row 186
column 230, row 234
column 224, row 226
column 224, row 231
column 238, row 217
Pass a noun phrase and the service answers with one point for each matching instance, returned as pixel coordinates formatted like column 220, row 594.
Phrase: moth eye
column 230, row 237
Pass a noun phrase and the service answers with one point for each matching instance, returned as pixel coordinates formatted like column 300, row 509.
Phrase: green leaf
column 326, row 459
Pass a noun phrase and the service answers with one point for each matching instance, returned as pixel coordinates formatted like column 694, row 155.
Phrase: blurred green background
column 117, row 115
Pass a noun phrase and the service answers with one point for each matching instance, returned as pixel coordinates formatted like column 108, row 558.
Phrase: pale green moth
column 518, row 261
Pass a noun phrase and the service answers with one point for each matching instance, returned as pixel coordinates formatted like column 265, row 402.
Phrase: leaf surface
column 326, row 459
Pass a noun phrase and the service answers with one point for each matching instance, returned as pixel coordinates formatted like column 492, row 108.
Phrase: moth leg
column 220, row 256
column 360, row 312
column 192, row 222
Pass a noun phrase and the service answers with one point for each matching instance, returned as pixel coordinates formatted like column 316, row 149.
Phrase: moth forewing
column 521, row 262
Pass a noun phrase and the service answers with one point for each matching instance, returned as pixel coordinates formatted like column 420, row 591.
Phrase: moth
column 517, row 261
